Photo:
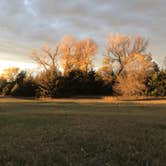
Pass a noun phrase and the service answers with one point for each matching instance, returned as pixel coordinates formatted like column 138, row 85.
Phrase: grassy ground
column 76, row 133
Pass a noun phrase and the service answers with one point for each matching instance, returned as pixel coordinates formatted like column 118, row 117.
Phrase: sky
column 29, row 24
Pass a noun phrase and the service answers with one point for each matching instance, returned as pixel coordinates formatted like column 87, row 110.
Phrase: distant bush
column 156, row 84
column 7, row 88
column 3, row 83
column 28, row 89
column 16, row 90
column 20, row 85
column 75, row 83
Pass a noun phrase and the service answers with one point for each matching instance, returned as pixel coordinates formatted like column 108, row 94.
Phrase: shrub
column 156, row 84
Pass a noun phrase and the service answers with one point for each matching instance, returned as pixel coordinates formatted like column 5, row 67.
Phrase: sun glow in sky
column 29, row 24
column 22, row 65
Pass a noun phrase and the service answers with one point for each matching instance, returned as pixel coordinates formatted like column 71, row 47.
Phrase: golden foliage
column 68, row 55
column 136, row 69
column 10, row 73
column 85, row 51
column 119, row 47
column 106, row 71
column 77, row 54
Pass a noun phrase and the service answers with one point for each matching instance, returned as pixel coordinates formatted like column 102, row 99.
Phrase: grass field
column 76, row 133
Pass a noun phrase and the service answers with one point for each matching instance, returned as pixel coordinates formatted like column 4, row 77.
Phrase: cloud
column 27, row 24
column 29, row 7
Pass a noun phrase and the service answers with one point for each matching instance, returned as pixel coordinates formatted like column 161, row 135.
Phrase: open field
column 82, row 132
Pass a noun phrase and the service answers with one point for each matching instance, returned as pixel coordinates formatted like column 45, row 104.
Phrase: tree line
column 68, row 70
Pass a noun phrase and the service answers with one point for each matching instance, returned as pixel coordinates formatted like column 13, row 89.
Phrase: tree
column 10, row 74
column 77, row 55
column 119, row 47
column 23, row 86
column 47, row 83
column 46, row 58
column 85, row 52
column 67, row 53
column 137, row 69
column 21, row 77
column 76, row 80
column 133, row 64
column 47, row 79
column 156, row 84
column 79, row 83
column 3, row 83
column 17, row 89
column 106, row 71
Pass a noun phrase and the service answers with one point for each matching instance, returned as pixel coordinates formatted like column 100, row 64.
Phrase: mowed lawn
column 40, row 133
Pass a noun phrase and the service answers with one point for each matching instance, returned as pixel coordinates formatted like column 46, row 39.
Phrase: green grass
column 82, row 134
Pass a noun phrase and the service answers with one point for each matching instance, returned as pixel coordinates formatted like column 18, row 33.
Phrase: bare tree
column 119, row 47
column 46, row 58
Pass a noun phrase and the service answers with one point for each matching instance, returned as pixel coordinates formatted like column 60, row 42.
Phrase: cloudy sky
column 28, row 24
